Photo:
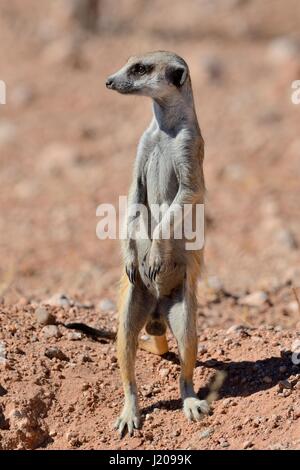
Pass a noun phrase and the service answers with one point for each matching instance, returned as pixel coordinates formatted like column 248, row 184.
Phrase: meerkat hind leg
column 133, row 316
column 182, row 322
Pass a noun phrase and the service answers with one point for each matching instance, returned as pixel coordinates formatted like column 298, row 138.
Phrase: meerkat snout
column 155, row 74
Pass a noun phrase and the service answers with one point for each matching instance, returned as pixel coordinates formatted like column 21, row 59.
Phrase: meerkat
column 158, row 287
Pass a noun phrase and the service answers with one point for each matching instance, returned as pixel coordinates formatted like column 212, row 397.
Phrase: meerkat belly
column 162, row 188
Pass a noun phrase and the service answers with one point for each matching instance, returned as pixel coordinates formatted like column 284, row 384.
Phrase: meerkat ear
column 176, row 75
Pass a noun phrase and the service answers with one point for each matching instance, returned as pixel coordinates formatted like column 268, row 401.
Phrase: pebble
column 44, row 317
column 51, row 331
column 206, row 433
column 164, row 372
column 215, row 283
column 59, row 300
column 54, row 352
column 284, row 384
column 202, row 349
column 223, row 443
column 106, row 305
column 74, row 335
column 256, row 299
column 235, row 329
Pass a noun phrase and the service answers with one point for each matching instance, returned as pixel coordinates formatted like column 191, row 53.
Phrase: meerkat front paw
column 160, row 260
column 194, row 409
column 131, row 267
column 129, row 419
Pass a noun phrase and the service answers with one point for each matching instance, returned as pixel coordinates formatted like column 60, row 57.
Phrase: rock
column 223, row 443
column 106, row 305
column 215, row 283
column 74, row 335
column 26, row 422
column 235, row 329
column 51, row 331
column 58, row 157
column 256, row 299
column 164, row 373
column 44, row 317
column 287, row 239
column 59, row 300
column 206, row 433
column 202, row 349
column 54, row 352
column 284, row 384
column 8, row 132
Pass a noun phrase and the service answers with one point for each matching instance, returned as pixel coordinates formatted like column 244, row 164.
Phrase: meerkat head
column 155, row 74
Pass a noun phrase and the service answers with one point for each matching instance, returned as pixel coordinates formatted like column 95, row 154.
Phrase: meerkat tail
column 154, row 344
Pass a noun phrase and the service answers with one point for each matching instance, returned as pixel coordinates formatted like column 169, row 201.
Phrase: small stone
column 164, row 373
column 51, row 331
column 287, row 239
column 284, row 384
column 106, row 305
column 74, row 335
column 59, row 300
column 214, row 283
column 224, row 443
column 235, row 329
column 44, row 317
column 286, row 393
column 206, row 433
column 54, row 352
column 256, row 299
column 202, row 349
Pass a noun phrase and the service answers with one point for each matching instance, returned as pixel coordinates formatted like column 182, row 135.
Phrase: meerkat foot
column 194, row 409
column 154, row 344
column 129, row 420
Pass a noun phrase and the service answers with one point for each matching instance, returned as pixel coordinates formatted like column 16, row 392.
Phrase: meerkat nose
column 109, row 83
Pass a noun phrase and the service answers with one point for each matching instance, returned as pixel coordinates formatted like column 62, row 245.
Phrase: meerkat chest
column 162, row 183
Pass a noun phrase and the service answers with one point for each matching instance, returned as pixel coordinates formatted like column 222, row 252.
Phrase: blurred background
column 67, row 144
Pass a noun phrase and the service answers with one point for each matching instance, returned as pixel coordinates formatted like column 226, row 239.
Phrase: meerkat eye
column 139, row 69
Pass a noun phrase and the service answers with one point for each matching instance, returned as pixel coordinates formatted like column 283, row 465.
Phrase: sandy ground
column 67, row 145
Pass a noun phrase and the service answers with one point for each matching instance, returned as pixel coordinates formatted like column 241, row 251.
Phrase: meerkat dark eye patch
column 176, row 75
column 140, row 69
